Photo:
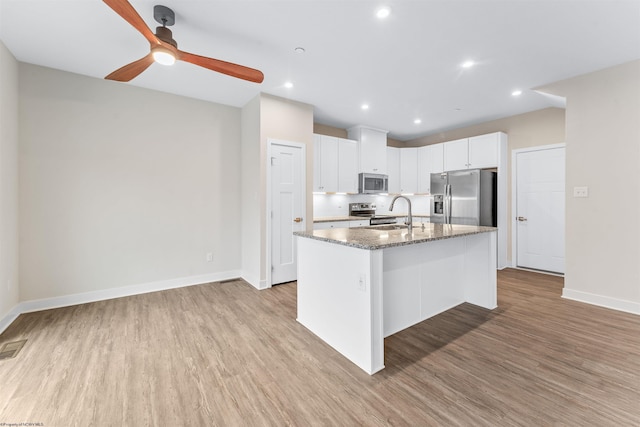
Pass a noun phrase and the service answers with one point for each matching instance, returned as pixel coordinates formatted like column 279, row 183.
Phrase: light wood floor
column 227, row 354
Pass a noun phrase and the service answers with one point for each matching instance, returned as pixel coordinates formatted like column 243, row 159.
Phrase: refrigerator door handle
column 444, row 204
column 450, row 205
column 447, row 202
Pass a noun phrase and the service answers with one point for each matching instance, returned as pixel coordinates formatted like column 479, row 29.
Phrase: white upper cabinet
column 456, row 154
column 325, row 163
column 335, row 164
column 393, row 169
column 477, row 152
column 409, row 170
column 372, row 149
column 483, row 151
column 347, row 166
column 430, row 160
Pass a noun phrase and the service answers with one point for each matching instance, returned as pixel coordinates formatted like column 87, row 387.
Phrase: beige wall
column 250, row 229
column 122, row 186
column 540, row 127
column 603, row 153
column 289, row 121
column 342, row 133
column 9, row 285
column 329, row 131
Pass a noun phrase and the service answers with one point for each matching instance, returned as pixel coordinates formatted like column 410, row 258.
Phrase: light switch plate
column 580, row 191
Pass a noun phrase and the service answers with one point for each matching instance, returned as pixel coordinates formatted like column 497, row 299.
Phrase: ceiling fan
column 164, row 48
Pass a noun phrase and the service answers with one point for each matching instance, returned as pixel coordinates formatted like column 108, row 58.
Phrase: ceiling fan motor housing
column 165, row 34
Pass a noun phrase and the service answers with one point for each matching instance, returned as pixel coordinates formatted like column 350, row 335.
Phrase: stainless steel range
column 368, row 210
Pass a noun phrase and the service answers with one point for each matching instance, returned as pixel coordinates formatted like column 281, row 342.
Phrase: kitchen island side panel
column 480, row 278
column 340, row 299
column 421, row 281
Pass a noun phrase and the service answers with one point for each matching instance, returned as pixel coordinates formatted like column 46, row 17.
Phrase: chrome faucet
column 409, row 221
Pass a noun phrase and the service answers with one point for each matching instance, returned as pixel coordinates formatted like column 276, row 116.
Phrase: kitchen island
column 357, row 286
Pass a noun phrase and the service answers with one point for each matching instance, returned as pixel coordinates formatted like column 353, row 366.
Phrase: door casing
column 514, row 200
column 303, row 197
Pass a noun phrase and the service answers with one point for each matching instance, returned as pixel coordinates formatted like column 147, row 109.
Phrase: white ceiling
column 405, row 67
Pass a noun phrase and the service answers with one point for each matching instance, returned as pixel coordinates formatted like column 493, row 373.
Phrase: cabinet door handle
column 297, row 219
column 521, row 218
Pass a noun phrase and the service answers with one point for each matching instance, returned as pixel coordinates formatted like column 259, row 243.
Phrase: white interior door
column 540, row 188
column 287, row 207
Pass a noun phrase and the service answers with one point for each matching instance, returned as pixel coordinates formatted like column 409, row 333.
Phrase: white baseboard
column 105, row 294
column 9, row 318
column 602, row 301
column 255, row 281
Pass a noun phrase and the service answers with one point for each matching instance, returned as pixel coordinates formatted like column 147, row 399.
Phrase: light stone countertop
column 372, row 239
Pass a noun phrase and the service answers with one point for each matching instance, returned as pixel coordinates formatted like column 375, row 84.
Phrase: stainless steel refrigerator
column 464, row 197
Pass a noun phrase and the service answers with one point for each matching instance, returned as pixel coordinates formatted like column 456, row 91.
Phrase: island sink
column 387, row 227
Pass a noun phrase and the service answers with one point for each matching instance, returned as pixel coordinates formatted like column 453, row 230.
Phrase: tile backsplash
column 325, row 205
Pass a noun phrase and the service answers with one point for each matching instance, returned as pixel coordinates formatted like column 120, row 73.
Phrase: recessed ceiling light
column 468, row 64
column 299, row 50
column 417, row 121
column 383, row 12
column 288, row 85
column 516, row 93
column 365, row 106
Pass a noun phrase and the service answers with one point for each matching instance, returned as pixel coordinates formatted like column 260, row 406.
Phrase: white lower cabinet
column 359, row 223
column 340, row 224
column 330, row 224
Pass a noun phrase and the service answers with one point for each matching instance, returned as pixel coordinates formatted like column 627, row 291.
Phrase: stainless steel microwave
column 372, row 183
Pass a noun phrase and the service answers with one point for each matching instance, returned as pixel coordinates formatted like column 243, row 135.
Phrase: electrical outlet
column 580, row 191
column 362, row 283
column 209, row 256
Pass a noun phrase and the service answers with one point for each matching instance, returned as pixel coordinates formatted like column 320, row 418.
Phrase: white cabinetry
column 325, row 163
column 335, row 163
column 372, row 149
column 340, row 224
column 330, row 224
column 408, row 170
column 347, row 166
column 359, row 223
column 456, row 154
column 393, row 169
column 477, row 152
column 483, row 151
column 430, row 160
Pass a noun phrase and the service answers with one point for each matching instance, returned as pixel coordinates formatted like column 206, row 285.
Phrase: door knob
column 297, row 219
column 521, row 218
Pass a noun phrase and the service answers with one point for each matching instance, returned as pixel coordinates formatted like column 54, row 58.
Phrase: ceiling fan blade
column 223, row 67
column 129, row 14
column 130, row 71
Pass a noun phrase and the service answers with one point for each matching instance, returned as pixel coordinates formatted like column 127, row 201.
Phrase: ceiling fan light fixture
column 383, row 12
column 163, row 56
